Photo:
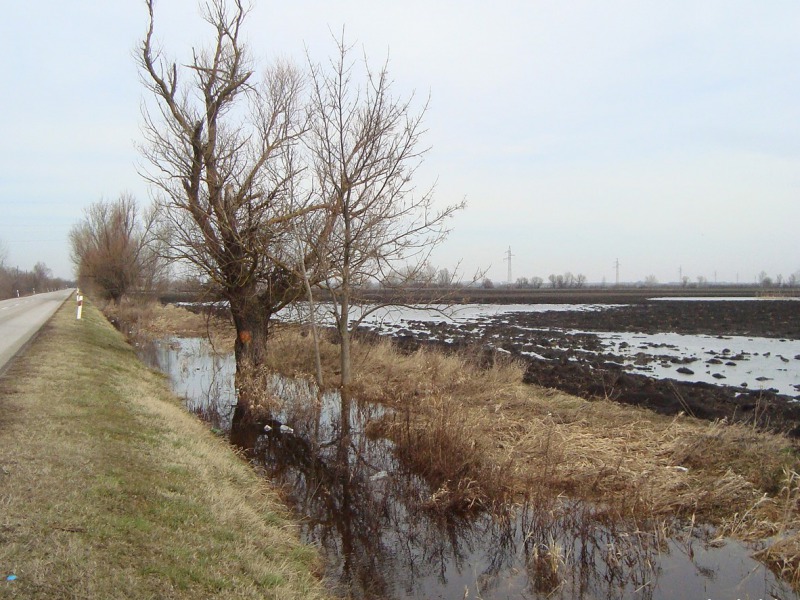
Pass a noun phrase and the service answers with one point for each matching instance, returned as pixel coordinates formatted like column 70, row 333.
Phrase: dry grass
column 147, row 319
column 109, row 489
column 482, row 436
column 595, row 448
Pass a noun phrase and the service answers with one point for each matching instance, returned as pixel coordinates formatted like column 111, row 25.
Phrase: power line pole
column 508, row 258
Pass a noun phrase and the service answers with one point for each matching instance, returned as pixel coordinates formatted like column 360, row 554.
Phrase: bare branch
column 365, row 146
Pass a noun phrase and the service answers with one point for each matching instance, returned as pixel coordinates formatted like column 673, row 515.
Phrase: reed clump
column 546, row 566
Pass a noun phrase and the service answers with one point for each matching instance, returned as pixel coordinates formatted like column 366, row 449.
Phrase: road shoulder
column 110, row 489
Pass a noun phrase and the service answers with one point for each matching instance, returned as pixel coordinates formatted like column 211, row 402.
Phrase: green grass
column 109, row 489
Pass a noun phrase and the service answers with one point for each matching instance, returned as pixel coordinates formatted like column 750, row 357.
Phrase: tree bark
column 344, row 340
column 251, row 317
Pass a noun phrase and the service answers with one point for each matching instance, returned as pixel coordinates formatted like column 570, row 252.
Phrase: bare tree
column 222, row 151
column 5, row 273
column 112, row 248
column 366, row 146
column 444, row 278
column 42, row 274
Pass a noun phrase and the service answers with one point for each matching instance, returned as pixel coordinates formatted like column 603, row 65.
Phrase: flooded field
column 751, row 362
column 382, row 536
column 735, row 358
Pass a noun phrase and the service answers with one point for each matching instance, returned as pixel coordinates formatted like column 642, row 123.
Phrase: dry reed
column 482, row 436
column 148, row 319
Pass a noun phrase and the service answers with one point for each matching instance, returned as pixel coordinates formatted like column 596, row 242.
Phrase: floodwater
column 753, row 363
column 372, row 517
column 750, row 362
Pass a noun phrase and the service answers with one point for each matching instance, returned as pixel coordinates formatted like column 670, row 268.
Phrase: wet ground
column 382, row 537
column 712, row 358
column 723, row 357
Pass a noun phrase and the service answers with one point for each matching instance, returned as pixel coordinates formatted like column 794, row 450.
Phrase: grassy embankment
column 481, row 437
column 109, row 489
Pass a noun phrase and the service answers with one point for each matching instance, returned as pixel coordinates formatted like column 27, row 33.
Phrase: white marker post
column 80, row 305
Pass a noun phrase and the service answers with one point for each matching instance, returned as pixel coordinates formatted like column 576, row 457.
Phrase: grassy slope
column 108, row 489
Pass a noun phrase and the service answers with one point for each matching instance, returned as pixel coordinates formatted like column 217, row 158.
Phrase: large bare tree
column 222, row 147
column 114, row 249
column 366, row 147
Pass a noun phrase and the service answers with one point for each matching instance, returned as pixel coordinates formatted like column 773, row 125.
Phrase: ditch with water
column 373, row 522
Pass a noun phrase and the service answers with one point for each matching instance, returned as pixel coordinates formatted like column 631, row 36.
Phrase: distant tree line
column 567, row 280
column 19, row 282
column 779, row 281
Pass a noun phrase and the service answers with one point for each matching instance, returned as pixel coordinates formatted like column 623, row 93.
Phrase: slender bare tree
column 221, row 144
column 366, row 147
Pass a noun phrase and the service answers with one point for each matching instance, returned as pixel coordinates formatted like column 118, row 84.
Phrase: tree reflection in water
column 372, row 519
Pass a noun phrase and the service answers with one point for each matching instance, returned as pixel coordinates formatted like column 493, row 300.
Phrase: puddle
column 371, row 519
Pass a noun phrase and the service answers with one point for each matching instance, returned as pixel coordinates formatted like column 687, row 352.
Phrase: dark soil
column 595, row 375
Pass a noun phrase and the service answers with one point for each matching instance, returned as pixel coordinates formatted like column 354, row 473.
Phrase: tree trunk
column 344, row 339
column 312, row 319
column 251, row 319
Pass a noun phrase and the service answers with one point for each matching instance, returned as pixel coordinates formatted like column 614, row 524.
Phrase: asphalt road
column 21, row 318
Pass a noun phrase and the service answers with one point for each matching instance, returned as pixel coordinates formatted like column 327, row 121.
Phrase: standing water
column 382, row 537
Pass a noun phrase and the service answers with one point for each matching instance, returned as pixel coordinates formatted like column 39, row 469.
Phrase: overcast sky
column 665, row 135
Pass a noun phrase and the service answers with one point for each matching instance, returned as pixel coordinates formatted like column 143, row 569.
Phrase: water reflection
column 197, row 373
column 374, row 522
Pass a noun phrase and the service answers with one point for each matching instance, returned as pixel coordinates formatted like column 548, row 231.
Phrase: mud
column 579, row 364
